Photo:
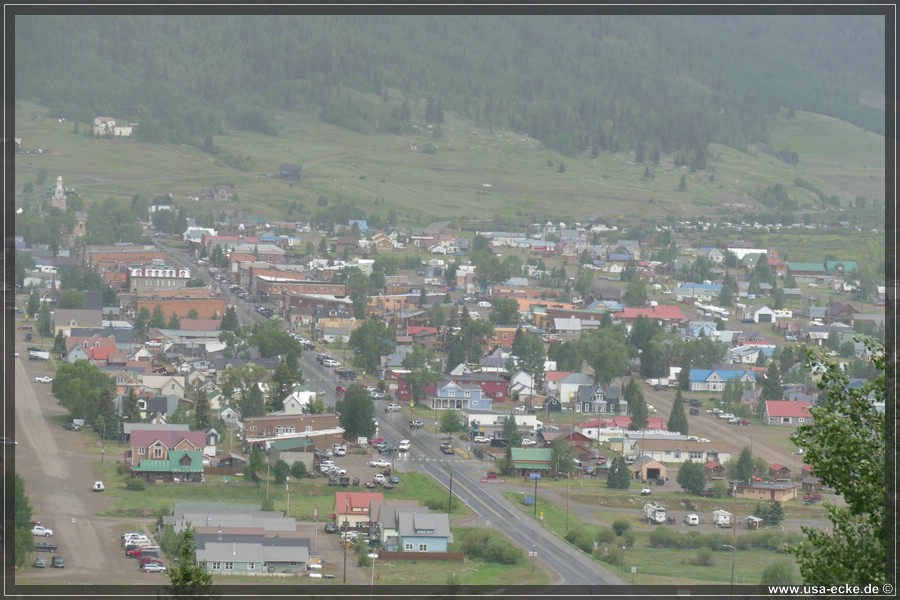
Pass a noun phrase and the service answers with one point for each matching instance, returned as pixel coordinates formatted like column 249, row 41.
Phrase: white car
column 528, row 442
column 44, row 379
column 392, row 408
column 330, row 362
column 379, row 395
column 154, row 568
column 153, row 344
column 403, row 446
column 378, row 478
column 379, row 463
column 42, row 531
column 726, row 416
column 480, row 439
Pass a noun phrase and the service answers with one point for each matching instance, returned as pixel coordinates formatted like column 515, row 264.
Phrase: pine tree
column 636, row 406
column 202, row 409
column 619, row 477
column 771, row 388
column 188, row 578
column 677, row 419
column 682, row 185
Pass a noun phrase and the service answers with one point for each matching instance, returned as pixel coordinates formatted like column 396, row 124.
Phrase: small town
column 224, row 375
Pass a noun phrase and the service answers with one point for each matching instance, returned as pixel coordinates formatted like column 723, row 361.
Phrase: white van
column 403, row 446
column 484, row 304
column 98, row 486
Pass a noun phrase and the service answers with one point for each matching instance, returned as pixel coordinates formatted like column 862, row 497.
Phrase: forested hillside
column 649, row 84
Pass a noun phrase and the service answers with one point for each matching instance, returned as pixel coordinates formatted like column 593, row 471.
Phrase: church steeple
column 59, row 195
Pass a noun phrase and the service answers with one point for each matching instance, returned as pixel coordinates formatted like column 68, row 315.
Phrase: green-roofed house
column 181, row 465
column 530, row 460
column 809, row 272
column 840, row 268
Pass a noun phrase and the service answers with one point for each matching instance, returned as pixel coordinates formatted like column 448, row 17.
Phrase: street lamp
column 373, row 556
column 533, row 555
column 732, row 567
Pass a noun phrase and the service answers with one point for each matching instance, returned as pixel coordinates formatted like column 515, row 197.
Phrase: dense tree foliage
column 847, row 450
column 677, row 418
column 357, row 413
column 691, row 477
column 618, row 477
column 645, row 97
column 79, row 386
column 369, row 342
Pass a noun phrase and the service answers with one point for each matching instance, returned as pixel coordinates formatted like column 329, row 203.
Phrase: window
column 695, row 455
column 407, row 546
column 309, row 428
column 251, row 566
column 451, row 393
column 474, row 403
column 800, row 419
column 229, row 566
column 142, row 451
column 677, row 453
column 252, row 428
column 423, row 547
column 158, row 452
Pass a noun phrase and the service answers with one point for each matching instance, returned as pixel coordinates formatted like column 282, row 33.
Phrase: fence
column 386, row 555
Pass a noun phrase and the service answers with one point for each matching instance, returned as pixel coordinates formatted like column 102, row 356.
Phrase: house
column 645, row 468
column 64, row 319
column 782, row 412
column 179, row 465
column 255, row 555
column 450, row 395
column 158, row 445
column 766, row 491
column 296, row 402
column 714, row 470
column 352, row 508
column 713, row 380
column 290, row 171
column 520, row 384
column 385, row 514
column 229, row 416
column 492, row 386
column 808, row 273
column 569, row 386
column 164, row 385
column 544, row 404
column 681, row 450
column 552, row 380
column 600, row 399
column 779, row 471
column 419, row 531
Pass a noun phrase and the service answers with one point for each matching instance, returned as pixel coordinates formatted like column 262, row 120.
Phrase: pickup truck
column 416, row 424
column 45, row 547
column 393, row 407
column 446, row 447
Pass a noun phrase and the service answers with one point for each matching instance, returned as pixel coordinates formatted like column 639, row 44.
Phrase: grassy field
column 473, row 175
column 658, row 565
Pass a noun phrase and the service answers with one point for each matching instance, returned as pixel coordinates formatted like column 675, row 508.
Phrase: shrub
column 502, row 552
column 615, row 556
column 704, row 557
column 605, row 536
column 662, row 537
column 581, row 539
column 620, row 526
column 135, row 485
column 628, row 537
column 778, row 573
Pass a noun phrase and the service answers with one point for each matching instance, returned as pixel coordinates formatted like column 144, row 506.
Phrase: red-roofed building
column 779, row 471
column 151, row 444
column 783, row 412
column 624, row 421
column 553, row 378
column 664, row 314
column 714, row 470
column 352, row 508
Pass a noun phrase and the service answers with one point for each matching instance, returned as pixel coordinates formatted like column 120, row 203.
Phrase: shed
column 754, row 522
column 646, row 469
column 290, row 170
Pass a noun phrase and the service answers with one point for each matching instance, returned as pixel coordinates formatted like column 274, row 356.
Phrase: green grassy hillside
column 475, row 174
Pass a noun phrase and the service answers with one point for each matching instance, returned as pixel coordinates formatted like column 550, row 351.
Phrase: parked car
column 416, row 424
column 394, row 480
column 330, row 362
column 378, row 478
column 646, row 490
column 57, row 562
column 528, row 442
column 39, row 562
column 41, row 530
column 694, row 411
column 331, row 527
column 43, row 379
column 707, row 493
column 480, row 439
column 70, row 426
column 154, row 568
column 379, row 463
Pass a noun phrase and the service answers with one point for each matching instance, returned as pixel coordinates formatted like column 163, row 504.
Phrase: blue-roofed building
column 713, row 380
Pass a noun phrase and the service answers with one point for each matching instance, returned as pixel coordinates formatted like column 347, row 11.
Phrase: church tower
column 58, row 200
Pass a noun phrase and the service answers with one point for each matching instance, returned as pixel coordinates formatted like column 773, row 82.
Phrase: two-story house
column 166, row 454
column 713, row 380
column 600, row 399
column 450, row 395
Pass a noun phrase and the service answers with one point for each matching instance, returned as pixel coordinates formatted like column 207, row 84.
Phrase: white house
column 760, row 314
column 568, row 387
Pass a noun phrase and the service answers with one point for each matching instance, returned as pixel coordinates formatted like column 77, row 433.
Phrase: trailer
column 38, row 355
column 722, row 518
column 654, row 513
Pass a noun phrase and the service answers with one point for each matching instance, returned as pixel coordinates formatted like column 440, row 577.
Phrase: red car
column 149, row 559
column 376, row 441
column 340, row 390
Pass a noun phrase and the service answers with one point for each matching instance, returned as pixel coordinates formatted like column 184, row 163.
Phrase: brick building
column 181, row 302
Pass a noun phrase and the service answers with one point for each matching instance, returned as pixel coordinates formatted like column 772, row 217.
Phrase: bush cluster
column 491, row 547
column 581, row 539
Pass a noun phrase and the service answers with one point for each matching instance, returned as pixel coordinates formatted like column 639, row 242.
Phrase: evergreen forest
column 647, row 84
